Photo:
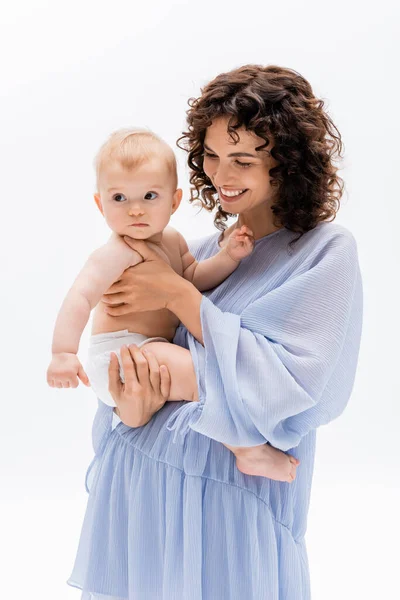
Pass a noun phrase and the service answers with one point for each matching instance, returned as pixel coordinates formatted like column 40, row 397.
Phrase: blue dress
column 169, row 516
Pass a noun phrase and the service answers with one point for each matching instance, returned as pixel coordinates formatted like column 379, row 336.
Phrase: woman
column 275, row 349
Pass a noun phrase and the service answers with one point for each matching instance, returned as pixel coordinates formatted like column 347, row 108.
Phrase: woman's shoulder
column 329, row 245
column 325, row 234
column 329, row 235
column 328, row 230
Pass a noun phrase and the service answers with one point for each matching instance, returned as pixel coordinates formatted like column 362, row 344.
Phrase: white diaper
column 98, row 359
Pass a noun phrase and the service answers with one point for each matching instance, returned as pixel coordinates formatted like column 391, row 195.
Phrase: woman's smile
column 231, row 195
column 230, row 192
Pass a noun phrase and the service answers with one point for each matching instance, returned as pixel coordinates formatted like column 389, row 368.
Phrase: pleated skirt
column 176, row 520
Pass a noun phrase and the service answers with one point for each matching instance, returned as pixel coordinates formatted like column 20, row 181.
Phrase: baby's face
column 138, row 202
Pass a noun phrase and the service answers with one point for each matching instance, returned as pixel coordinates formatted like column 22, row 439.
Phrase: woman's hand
column 149, row 285
column 153, row 285
column 146, row 388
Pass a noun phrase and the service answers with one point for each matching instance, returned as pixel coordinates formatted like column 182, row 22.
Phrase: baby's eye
column 119, row 197
column 150, row 196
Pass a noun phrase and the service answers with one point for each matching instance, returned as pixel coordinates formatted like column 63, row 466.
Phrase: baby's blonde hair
column 132, row 147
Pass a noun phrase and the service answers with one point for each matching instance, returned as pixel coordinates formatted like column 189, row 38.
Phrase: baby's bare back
column 155, row 323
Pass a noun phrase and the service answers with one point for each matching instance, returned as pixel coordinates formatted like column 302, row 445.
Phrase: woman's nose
column 221, row 176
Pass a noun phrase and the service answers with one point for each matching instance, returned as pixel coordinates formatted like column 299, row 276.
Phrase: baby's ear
column 176, row 200
column 98, row 202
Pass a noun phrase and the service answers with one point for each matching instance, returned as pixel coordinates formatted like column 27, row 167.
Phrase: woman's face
column 239, row 172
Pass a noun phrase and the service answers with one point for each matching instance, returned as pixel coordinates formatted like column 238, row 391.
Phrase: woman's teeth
column 231, row 193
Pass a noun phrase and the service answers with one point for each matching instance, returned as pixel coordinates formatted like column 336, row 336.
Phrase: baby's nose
column 136, row 210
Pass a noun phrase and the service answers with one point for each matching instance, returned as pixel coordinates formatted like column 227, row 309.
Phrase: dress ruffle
column 153, row 506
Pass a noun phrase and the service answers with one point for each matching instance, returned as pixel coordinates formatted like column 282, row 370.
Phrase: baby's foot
column 266, row 461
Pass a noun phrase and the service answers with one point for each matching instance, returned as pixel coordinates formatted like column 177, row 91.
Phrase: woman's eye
column 119, row 197
column 150, row 196
column 242, row 164
column 205, row 153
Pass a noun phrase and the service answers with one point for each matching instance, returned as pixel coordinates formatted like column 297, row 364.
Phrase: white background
column 72, row 73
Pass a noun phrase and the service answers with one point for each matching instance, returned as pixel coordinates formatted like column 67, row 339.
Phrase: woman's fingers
column 165, row 382
column 154, row 370
column 116, row 311
column 129, row 367
column 114, row 380
column 142, row 366
column 114, row 287
column 141, row 248
column 112, row 297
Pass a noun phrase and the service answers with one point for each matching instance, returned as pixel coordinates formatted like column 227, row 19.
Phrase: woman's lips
column 230, row 198
column 139, row 225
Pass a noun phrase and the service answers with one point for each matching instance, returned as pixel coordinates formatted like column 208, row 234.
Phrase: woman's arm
column 287, row 364
column 185, row 303
column 283, row 367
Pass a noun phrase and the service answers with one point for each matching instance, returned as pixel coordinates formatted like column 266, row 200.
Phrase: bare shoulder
column 175, row 240
column 170, row 235
column 117, row 250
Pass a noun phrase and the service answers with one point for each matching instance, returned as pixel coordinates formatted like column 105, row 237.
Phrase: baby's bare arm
column 208, row 273
column 101, row 270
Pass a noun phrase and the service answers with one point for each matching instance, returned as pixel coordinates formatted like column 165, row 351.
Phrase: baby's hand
column 64, row 371
column 240, row 243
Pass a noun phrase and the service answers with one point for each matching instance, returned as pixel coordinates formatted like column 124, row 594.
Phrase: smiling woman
column 244, row 187
column 278, row 116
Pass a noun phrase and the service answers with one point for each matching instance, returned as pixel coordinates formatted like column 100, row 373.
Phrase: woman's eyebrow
column 233, row 153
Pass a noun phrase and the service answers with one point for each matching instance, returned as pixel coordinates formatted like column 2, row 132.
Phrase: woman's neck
column 259, row 228
column 259, row 219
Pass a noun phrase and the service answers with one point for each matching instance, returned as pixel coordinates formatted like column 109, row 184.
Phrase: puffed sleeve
column 287, row 364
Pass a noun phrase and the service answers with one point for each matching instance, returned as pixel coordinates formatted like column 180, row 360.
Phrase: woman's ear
column 176, row 200
column 98, row 202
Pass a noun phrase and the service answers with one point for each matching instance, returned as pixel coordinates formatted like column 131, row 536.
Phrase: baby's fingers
column 60, row 383
column 239, row 239
column 244, row 229
column 83, row 377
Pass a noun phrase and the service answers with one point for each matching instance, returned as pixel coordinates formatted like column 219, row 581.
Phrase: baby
column 137, row 194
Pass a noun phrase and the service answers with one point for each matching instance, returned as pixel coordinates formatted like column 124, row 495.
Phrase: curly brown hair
column 278, row 102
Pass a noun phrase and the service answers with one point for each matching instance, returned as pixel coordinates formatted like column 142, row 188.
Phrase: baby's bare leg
column 179, row 362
